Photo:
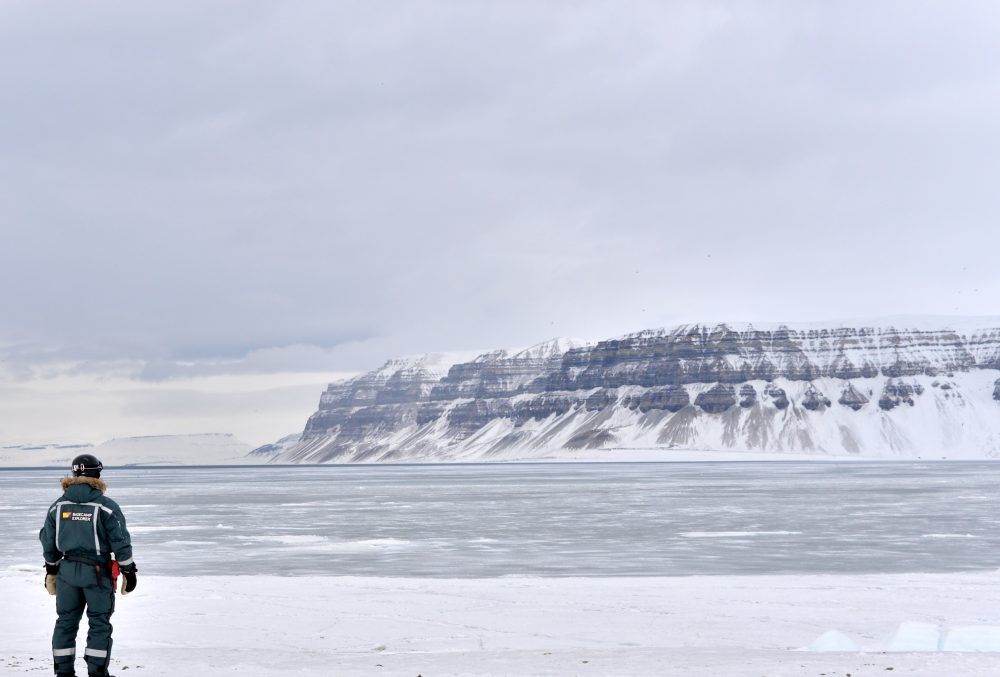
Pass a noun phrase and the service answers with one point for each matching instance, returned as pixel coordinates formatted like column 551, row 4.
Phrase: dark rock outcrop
column 748, row 396
column 813, row 399
column 542, row 407
column 903, row 392
column 852, row 398
column 996, row 390
column 717, row 399
column 671, row 398
column 601, row 399
column 896, row 393
column 430, row 411
column 500, row 373
column 721, row 354
column 778, row 396
column 468, row 417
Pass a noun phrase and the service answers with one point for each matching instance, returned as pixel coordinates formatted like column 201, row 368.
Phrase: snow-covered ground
column 703, row 626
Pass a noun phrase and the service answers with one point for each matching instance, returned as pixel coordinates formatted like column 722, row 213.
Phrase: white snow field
column 203, row 449
column 933, row 625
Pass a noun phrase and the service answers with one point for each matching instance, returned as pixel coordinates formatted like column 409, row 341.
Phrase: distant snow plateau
column 201, row 449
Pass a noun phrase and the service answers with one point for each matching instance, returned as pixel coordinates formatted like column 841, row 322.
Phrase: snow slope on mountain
column 928, row 389
column 268, row 451
column 203, row 449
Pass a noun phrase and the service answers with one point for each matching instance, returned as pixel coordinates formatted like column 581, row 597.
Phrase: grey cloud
column 293, row 358
column 185, row 405
column 205, row 182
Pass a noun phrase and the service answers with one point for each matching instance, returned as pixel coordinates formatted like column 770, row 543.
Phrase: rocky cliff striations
column 785, row 388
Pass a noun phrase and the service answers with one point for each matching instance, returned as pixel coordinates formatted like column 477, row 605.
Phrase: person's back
column 83, row 528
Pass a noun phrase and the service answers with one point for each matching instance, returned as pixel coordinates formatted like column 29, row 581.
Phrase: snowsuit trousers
column 78, row 587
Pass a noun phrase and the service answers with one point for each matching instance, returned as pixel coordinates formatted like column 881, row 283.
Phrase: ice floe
column 916, row 636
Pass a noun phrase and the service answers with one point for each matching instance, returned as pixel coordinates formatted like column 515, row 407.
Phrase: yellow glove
column 51, row 571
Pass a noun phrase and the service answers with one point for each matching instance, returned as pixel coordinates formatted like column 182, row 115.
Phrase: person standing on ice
column 82, row 529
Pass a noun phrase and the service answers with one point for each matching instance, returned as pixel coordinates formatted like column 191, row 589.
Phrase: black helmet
column 87, row 465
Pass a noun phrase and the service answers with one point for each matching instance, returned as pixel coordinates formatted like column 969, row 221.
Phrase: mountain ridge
column 876, row 389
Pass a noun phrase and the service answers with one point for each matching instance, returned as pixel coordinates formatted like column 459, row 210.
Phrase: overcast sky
column 209, row 209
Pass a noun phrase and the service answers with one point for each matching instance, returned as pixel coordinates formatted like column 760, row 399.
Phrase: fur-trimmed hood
column 92, row 482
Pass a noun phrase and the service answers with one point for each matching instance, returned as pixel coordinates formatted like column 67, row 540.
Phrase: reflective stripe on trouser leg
column 63, row 660
column 98, row 660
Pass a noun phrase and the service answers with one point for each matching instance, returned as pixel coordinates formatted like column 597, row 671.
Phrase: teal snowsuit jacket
column 84, row 522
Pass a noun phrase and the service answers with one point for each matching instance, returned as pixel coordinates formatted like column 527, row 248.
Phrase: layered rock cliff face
column 872, row 390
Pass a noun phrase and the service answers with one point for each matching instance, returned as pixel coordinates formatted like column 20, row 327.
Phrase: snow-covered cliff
column 873, row 389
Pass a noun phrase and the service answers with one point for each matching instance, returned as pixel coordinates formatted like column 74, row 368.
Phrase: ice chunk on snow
column 831, row 640
column 913, row 636
column 973, row 638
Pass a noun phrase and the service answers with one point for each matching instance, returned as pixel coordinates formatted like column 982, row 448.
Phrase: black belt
column 98, row 566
